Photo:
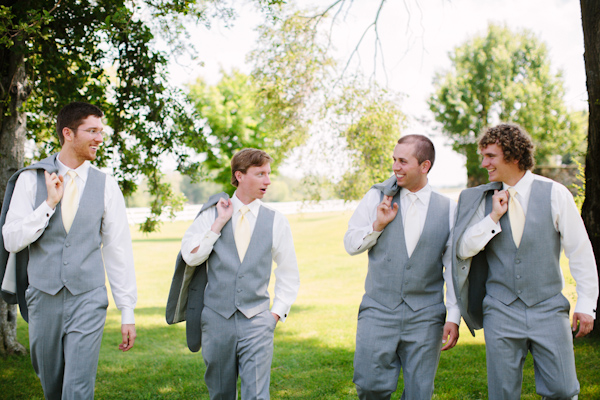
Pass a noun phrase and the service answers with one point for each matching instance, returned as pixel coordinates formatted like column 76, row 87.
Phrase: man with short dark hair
column 70, row 217
column 402, row 324
column 238, row 239
column 507, row 244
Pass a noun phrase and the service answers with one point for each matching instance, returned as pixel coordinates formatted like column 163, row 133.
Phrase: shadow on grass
column 161, row 367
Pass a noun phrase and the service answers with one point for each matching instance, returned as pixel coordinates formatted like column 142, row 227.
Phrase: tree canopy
column 503, row 76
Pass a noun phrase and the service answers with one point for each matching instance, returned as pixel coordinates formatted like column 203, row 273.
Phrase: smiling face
column 499, row 170
column 409, row 173
column 81, row 144
column 253, row 184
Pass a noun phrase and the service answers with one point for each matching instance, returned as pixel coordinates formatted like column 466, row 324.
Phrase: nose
column 484, row 162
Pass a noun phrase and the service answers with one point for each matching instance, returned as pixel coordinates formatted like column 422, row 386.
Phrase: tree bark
column 590, row 17
column 14, row 91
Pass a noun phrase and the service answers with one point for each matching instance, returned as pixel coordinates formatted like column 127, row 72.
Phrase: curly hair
column 72, row 115
column 514, row 141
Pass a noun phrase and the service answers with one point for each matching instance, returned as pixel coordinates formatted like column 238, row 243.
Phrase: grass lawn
column 313, row 350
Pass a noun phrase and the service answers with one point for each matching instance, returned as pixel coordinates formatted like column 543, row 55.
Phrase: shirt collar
column 237, row 204
column 423, row 195
column 523, row 187
column 82, row 171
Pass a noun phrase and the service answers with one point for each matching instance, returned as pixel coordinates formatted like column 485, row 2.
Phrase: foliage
column 370, row 122
column 503, row 76
column 314, row 348
column 269, row 108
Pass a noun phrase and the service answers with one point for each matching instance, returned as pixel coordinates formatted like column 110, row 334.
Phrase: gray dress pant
column 544, row 329
column 65, row 334
column 237, row 346
column 388, row 341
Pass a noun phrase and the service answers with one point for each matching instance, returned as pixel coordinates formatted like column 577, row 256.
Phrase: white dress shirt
column 360, row 235
column 25, row 224
column 287, row 277
column 567, row 221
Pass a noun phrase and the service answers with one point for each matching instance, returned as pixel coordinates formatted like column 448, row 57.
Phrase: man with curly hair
column 508, row 238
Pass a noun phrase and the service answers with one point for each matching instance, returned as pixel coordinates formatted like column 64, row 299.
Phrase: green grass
column 314, row 349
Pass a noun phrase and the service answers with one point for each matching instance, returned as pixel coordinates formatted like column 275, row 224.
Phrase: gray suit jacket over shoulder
column 470, row 275
column 22, row 257
column 186, row 297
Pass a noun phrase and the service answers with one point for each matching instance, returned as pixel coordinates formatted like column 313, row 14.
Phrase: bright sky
column 416, row 38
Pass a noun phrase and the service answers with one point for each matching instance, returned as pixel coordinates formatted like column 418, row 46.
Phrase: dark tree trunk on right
column 590, row 16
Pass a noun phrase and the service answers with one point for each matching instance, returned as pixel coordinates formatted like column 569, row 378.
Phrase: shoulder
column 558, row 189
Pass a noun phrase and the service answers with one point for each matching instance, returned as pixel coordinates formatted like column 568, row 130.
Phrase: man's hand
column 499, row 204
column 450, row 335
column 385, row 213
column 224, row 213
column 129, row 335
column 586, row 324
column 276, row 317
column 54, row 187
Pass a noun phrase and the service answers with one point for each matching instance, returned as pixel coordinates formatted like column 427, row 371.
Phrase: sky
column 416, row 38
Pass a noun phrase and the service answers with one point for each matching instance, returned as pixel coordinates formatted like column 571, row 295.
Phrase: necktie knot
column 412, row 197
column 244, row 210
column 512, row 191
column 72, row 174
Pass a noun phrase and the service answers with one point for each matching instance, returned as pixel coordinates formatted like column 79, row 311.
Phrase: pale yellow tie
column 70, row 201
column 242, row 233
column 516, row 216
column 412, row 225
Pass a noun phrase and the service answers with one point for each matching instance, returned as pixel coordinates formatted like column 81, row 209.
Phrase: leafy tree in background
column 371, row 123
column 269, row 109
column 503, row 76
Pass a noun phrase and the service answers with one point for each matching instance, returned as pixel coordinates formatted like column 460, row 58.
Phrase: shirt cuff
column 127, row 316
column 46, row 210
column 453, row 315
column 280, row 309
column 585, row 306
column 492, row 228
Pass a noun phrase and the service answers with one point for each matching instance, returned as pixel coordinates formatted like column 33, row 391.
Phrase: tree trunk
column 590, row 17
column 14, row 91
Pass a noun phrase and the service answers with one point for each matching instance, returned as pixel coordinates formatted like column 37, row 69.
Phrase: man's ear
column 426, row 166
column 68, row 134
column 238, row 175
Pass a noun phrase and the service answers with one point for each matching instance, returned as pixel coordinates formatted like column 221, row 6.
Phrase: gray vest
column 72, row 260
column 532, row 271
column 393, row 277
column 241, row 286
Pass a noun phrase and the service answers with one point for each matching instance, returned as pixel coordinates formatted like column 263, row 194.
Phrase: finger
column 574, row 323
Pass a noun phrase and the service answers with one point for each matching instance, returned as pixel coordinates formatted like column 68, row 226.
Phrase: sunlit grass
column 314, row 349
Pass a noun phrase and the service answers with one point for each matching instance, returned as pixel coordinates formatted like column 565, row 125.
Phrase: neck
column 69, row 161
column 244, row 198
column 513, row 180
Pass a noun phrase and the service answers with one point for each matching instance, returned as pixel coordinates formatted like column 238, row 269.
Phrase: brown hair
column 424, row 149
column 246, row 158
column 514, row 141
column 72, row 115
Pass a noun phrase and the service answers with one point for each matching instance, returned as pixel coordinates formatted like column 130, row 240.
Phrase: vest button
column 408, row 267
column 518, row 276
column 519, row 291
column 67, row 244
column 517, row 261
column 65, row 262
column 406, row 282
column 239, row 290
column 237, row 304
column 241, row 276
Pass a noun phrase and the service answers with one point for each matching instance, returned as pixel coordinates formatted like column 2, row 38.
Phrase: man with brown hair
column 66, row 225
column 507, row 243
column 238, row 239
column 402, row 324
